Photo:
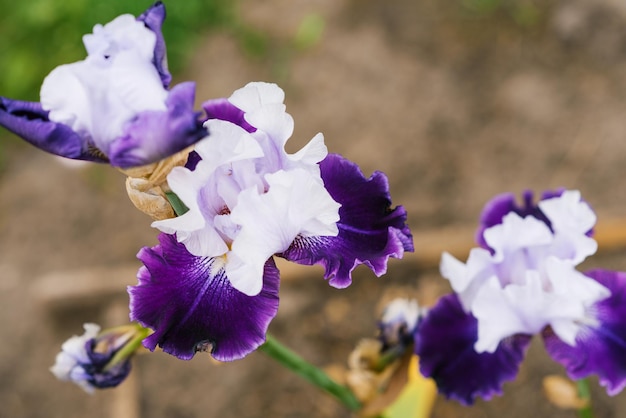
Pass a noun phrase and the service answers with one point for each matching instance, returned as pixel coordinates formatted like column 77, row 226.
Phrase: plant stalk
column 313, row 374
column 585, row 393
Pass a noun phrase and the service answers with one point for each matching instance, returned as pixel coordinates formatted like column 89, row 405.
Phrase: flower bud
column 98, row 360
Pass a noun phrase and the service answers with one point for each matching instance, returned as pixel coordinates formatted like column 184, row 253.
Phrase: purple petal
column 495, row 210
column 369, row 230
column 154, row 135
column 444, row 342
column 192, row 160
column 191, row 306
column 111, row 377
column 153, row 19
column 30, row 121
column 222, row 109
column 97, row 373
column 600, row 349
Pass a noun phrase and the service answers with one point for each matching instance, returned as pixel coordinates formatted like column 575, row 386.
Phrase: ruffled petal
column 295, row 203
column 369, row 230
column 495, row 210
column 256, row 95
column 572, row 221
column 154, row 135
column 600, row 348
column 31, row 122
column 466, row 279
column 526, row 308
column 516, row 234
column 191, row 305
column 444, row 342
column 153, row 18
column 569, row 213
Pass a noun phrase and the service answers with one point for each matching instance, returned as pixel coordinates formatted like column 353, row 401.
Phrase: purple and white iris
column 86, row 360
column 114, row 105
column 212, row 283
column 520, row 282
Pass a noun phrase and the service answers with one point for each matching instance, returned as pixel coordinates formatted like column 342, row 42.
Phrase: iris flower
column 211, row 283
column 114, row 106
column 87, row 360
column 523, row 281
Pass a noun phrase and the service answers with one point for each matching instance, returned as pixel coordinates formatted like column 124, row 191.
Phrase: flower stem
column 313, row 374
column 139, row 333
column 585, row 393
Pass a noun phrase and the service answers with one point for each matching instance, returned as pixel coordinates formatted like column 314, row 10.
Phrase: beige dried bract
column 364, row 378
column 156, row 173
column 146, row 185
column 149, row 199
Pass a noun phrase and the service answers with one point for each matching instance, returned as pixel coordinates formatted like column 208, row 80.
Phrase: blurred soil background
column 456, row 101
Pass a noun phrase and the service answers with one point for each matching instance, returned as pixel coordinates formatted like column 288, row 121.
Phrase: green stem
column 585, row 393
column 297, row 364
column 129, row 348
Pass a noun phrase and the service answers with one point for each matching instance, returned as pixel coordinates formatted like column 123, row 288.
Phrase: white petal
column 122, row 33
column 195, row 228
column 66, row 366
column 136, row 83
column 255, row 95
column 76, row 345
column 245, row 275
column 573, row 285
column 455, row 271
column 225, row 144
column 516, row 233
column 467, row 279
column 274, row 121
column 573, row 247
column 206, row 242
column 67, row 98
column 527, row 309
column 568, row 213
column 312, row 153
column 295, row 204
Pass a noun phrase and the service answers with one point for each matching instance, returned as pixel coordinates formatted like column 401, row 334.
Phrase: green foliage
column 38, row 35
column 524, row 13
column 309, row 32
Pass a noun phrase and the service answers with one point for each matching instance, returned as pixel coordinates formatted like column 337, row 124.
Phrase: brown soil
column 454, row 107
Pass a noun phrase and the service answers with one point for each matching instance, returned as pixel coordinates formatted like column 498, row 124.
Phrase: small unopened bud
column 398, row 322
column 563, row 393
column 98, row 360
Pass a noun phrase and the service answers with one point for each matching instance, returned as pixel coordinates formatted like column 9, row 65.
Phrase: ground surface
column 454, row 108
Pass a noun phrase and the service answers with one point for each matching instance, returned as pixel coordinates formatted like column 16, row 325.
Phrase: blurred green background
column 38, row 35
